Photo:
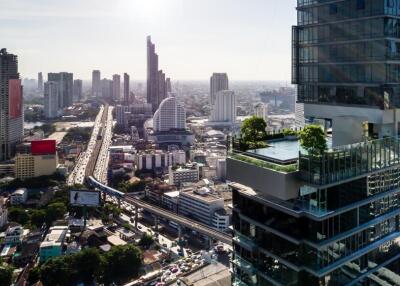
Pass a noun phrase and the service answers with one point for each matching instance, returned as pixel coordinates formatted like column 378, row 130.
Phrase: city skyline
column 249, row 43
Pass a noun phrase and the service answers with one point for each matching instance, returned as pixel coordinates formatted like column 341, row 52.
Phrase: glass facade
column 348, row 52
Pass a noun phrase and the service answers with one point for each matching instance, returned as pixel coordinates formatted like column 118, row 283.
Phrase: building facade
column 78, row 92
column 332, row 218
column 224, row 110
column 65, row 83
column 11, row 105
column 126, row 89
column 171, row 115
column 96, row 84
column 51, row 109
column 116, row 87
column 218, row 82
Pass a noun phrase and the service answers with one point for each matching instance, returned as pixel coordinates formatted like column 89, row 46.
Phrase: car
column 174, row 270
column 165, row 245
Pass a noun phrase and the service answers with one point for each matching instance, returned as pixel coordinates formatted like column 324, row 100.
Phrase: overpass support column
column 136, row 216
column 207, row 243
column 119, row 202
column 155, row 223
column 104, row 197
column 180, row 240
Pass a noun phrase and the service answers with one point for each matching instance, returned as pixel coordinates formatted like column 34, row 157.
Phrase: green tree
column 58, row 271
column 146, row 240
column 34, row 275
column 253, row 133
column 19, row 215
column 6, row 273
column 38, row 217
column 312, row 139
column 122, row 263
column 55, row 211
column 90, row 264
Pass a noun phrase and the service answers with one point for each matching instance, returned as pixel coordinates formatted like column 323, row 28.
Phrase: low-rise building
column 19, row 196
column 52, row 245
column 221, row 220
column 183, row 174
column 41, row 161
column 149, row 160
column 14, row 235
column 200, row 204
column 170, row 200
column 3, row 212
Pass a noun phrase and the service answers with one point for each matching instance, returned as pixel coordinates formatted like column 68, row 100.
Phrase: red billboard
column 15, row 98
column 43, row 147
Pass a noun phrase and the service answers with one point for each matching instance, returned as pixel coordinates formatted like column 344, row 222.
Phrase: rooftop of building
column 202, row 194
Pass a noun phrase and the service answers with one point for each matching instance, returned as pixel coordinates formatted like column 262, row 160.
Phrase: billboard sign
column 84, row 198
column 43, row 147
column 14, row 98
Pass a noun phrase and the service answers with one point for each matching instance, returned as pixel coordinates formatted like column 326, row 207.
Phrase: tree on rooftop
column 312, row 139
column 253, row 133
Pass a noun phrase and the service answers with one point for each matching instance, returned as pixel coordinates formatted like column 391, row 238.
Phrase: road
column 84, row 161
column 181, row 220
column 100, row 170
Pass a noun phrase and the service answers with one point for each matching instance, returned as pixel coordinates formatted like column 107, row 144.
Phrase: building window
column 390, row 3
column 360, row 4
column 333, row 9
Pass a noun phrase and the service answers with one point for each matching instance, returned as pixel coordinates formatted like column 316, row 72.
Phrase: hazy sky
column 248, row 39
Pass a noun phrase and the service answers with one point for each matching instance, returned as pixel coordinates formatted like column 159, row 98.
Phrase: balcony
column 349, row 161
column 244, row 242
column 244, row 265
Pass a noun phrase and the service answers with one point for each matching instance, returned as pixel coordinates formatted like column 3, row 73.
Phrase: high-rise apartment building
column 168, row 85
column 224, row 109
column 126, row 89
column 157, row 87
column 328, row 218
column 65, row 87
column 218, row 82
column 106, row 88
column 51, row 106
column 78, row 93
column 40, row 82
column 116, row 87
column 171, row 115
column 11, row 105
column 96, row 83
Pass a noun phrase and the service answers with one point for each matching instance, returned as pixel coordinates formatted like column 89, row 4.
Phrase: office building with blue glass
column 332, row 218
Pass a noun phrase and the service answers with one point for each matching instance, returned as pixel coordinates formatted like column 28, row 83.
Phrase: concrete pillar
column 104, row 197
column 207, row 243
column 119, row 202
column 136, row 216
column 155, row 223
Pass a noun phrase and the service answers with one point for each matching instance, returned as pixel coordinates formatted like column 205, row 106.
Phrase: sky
column 248, row 39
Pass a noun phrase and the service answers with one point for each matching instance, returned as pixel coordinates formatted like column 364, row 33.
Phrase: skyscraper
column 107, row 88
column 65, row 88
column 78, row 90
column 328, row 217
column 218, row 82
column 170, row 115
column 126, row 89
column 51, row 106
column 116, row 87
column 11, row 105
column 168, row 85
column 223, row 111
column 156, row 84
column 96, row 85
column 40, row 82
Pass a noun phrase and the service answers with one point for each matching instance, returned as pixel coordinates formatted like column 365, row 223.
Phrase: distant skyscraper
column 156, row 85
column 116, row 87
column 96, row 85
column 65, row 87
column 261, row 110
column 107, row 88
column 168, row 85
column 11, row 105
column 224, row 109
column 218, row 82
column 126, row 88
column 77, row 90
column 40, row 82
column 51, row 99
column 171, row 115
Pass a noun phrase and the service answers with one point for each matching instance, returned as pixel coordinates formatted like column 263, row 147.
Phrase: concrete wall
column 284, row 186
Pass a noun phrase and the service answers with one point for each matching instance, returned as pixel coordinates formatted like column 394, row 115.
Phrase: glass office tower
column 330, row 219
column 348, row 52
